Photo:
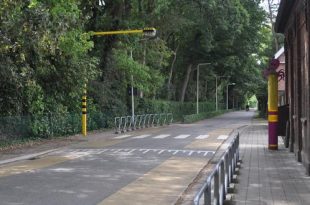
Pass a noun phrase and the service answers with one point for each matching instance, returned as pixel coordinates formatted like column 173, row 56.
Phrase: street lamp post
column 197, row 91
column 216, row 99
column 227, row 94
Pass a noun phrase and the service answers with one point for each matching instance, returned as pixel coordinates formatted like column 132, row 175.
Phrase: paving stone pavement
column 269, row 177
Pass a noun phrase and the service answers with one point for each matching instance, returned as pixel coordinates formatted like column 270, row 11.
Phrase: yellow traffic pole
column 273, row 108
column 151, row 32
column 146, row 31
column 84, row 113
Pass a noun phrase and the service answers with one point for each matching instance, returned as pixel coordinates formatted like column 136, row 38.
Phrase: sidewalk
column 269, row 177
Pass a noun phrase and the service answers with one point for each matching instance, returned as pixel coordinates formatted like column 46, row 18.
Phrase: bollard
column 84, row 113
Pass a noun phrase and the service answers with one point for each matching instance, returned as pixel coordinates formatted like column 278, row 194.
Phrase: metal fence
column 129, row 123
column 221, row 176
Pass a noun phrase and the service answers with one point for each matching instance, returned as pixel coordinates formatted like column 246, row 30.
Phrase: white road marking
column 146, row 151
column 201, row 137
column 161, row 136
column 86, row 152
column 122, row 136
column 181, row 136
column 141, row 136
column 222, row 137
column 132, row 150
column 161, row 151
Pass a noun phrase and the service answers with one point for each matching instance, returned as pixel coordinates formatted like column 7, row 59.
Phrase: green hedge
column 201, row 116
column 61, row 124
column 178, row 109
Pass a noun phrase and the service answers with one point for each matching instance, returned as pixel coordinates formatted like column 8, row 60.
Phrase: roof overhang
column 284, row 12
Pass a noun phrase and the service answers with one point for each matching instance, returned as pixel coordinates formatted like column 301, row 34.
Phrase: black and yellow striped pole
column 84, row 112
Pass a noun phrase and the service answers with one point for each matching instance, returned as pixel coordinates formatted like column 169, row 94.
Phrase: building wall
column 281, row 84
column 297, row 33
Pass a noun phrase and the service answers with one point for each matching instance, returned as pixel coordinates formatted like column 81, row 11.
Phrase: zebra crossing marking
column 181, row 136
column 164, row 136
column 141, row 136
column 161, row 136
column 122, row 136
column 201, row 137
column 222, row 137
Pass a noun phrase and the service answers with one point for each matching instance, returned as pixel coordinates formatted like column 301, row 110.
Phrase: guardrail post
column 237, row 151
column 230, row 165
column 222, row 183
column 226, row 161
column 207, row 195
column 216, row 187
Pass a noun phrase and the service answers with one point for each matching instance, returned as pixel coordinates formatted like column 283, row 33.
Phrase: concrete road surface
column 150, row 166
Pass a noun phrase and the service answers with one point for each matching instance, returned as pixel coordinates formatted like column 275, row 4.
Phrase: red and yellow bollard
column 273, row 111
column 84, row 113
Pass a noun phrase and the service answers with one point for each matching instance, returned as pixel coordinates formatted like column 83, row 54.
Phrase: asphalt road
column 150, row 166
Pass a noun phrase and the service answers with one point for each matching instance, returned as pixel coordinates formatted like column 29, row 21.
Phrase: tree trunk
column 144, row 54
column 272, row 25
column 171, row 72
column 184, row 87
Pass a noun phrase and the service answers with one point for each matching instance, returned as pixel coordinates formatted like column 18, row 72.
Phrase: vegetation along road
column 147, row 166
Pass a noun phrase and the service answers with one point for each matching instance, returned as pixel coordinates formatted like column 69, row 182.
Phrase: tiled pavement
column 269, row 177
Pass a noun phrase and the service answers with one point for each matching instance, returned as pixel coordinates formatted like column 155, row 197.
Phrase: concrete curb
column 26, row 157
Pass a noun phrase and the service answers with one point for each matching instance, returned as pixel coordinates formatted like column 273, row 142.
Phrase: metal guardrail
column 221, row 175
column 129, row 123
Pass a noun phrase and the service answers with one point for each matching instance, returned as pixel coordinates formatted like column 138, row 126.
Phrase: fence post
column 207, row 195
column 216, row 187
column 222, row 183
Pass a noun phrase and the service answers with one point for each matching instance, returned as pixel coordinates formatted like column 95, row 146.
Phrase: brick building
column 293, row 21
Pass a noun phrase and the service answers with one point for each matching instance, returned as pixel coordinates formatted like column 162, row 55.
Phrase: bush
column 64, row 123
column 201, row 116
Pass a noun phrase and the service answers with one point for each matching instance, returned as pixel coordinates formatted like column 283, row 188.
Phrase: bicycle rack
column 150, row 120
column 140, row 121
column 117, row 123
column 129, row 121
column 158, row 120
column 147, row 116
column 163, row 120
column 154, row 119
column 123, row 124
column 171, row 118
column 144, row 120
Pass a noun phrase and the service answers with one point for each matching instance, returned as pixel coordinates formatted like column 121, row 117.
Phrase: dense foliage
column 47, row 53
